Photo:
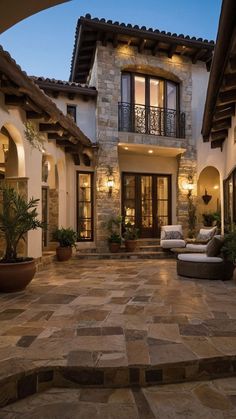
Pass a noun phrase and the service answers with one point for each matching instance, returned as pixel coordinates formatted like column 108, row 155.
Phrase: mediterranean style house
column 123, row 136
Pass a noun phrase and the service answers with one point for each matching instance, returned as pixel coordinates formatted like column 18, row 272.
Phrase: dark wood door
column 146, row 202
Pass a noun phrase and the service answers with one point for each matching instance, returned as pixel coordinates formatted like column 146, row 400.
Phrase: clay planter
column 130, row 245
column 16, row 276
column 114, row 247
column 63, row 253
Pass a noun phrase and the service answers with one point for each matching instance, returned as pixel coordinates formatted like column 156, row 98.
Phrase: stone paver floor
column 198, row 400
column 117, row 313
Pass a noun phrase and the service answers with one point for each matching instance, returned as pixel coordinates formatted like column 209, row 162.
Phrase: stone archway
column 209, row 193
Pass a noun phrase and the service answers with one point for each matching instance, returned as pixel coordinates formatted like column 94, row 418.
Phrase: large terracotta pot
column 16, row 276
column 63, row 253
column 130, row 245
column 114, row 247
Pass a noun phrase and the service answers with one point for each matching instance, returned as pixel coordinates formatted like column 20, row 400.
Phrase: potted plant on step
column 114, row 239
column 17, row 217
column 130, row 237
column 66, row 237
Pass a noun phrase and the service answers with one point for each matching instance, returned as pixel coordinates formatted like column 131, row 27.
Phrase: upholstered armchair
column 172, row 236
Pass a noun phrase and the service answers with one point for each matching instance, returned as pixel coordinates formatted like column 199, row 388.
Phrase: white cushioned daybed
column 205, row 234
column 172, row 236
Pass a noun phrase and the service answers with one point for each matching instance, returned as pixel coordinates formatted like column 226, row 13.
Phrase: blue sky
column 43, row 43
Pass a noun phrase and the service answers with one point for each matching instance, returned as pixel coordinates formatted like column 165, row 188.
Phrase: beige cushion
column 198, row 257
column 206, row 233
column 197, row 247
column 168, row 244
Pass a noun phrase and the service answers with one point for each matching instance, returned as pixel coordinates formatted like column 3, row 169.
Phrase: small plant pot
column 16, row 276
column 114, row 247
column 63, row 253
column 130, row 245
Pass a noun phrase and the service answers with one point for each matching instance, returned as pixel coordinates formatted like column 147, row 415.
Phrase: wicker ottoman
column 201, row 266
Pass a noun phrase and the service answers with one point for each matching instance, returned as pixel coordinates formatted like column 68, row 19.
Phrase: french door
column 146, row 202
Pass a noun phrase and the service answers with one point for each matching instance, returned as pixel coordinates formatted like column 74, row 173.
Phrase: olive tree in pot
column 17, row 217
column 66, row 237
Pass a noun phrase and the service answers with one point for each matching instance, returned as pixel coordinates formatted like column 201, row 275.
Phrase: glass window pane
column 162, row 188
column 139, row 90
column 171, row 95
column 162, row 208
column 126, row 88
column 85, row 206
column 156, row 93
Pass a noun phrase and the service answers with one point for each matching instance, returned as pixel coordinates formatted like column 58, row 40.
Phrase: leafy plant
column 208, row 219
column 114, row 238
column 113, row 226
column 229, row 248
column 66, row 237
column 17, row 217
column 32, row 135
column 131, row 232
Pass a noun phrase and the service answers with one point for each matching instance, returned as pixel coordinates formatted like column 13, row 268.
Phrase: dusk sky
column 43, row 43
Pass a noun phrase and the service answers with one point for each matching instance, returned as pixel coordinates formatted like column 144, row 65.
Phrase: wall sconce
column 206, row 198
column 110, row 180
column 189, row 186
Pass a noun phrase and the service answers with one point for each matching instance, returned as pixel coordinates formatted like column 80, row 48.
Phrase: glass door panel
column 171, row 104
column 156, row 114
column 45, row 215
column 162, row 201
column 146, row 204
column 84, row 206
column 139, row 104
column 129, row 204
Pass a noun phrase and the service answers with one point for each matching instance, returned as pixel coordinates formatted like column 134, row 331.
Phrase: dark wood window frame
column 228, row 219
column 78, row 172
column 156, row 229
column 147, row 88
column 72, row 114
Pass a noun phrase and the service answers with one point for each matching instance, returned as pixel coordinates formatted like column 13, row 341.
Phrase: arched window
column 150, row 105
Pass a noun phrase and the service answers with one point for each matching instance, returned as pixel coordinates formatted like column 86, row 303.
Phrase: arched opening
column 12, row 154
column 209, row 204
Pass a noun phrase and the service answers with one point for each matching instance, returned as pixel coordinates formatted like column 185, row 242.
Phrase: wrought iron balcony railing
column 151, row 120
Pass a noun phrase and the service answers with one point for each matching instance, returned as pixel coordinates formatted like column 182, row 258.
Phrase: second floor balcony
column 142, row 119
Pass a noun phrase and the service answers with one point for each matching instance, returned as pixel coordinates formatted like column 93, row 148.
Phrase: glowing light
column 150, row 151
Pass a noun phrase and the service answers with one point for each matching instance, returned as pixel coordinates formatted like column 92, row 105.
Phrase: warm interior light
column 216, row 187
column 150, row 151
column 126, row 148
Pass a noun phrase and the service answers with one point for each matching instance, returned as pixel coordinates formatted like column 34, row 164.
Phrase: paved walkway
column 135, row 322
column 200, row 400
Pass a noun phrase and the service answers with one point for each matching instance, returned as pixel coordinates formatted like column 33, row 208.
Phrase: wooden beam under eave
column 36, row 115
column 199, row 54
column 22, row 102
column 218, row 143
column 141, row 45
column 224, row 112
column 227, row 97
column 217, row 135
column 115, row 41
column 172, row 50
column 51, row 128
column 155, row 48
column 231, row 68
column 221, row 124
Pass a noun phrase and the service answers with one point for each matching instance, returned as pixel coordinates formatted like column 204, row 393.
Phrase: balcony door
column 146, row 202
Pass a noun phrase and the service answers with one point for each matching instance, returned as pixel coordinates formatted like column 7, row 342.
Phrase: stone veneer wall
column 106, row 76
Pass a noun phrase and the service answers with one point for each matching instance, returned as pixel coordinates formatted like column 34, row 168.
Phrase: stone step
column 150, row 248
column 125, row 255
column 148, row 242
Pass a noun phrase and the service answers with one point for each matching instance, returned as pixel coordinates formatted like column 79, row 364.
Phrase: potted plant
column 208, row 219
column 114, row 242
column 130, row 237
column 229, row 249
column 66, row 237
column 114, row 239
column 17, row 217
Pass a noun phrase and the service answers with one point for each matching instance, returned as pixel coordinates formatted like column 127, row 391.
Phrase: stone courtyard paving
column 198, row 400
column 117, row 318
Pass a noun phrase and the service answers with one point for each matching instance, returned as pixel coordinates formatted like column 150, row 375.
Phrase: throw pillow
column 173, row 235
column 214, row 246
column 206, row 235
